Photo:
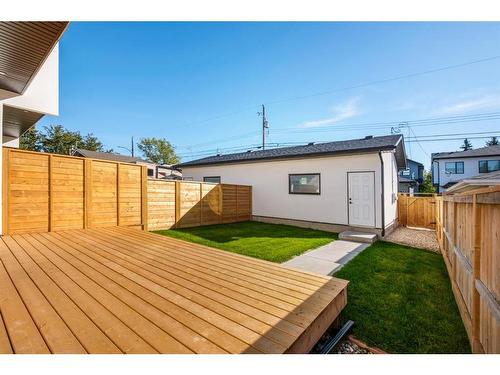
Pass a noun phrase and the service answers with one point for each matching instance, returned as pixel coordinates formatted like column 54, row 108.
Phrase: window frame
column 487, row 169
column 210, row 182
column 455, row 169
column 290, row 192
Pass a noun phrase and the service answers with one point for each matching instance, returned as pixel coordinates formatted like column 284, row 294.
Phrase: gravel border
column 419, row 238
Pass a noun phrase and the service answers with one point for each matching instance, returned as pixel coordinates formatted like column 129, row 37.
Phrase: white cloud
column 490, row 101
column 341, row 112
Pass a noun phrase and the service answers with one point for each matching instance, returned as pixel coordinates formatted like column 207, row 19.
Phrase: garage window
column 212, row 179
column 305, row 183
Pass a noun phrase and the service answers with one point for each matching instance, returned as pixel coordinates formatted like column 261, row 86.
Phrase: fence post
column 476, row 273
column 51, row 198
column 221, row 202
column 5, row 191
column 201, row 203
column 144, row 198
column 251, row 202
column 237, row 208
column 177, row 203
column 118, row 194
column 87, row 173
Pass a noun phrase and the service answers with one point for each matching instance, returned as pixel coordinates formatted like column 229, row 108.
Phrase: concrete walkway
column 327, row 259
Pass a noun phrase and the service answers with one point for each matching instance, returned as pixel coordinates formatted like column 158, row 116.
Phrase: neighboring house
column 154, row 170
column 332, row 186
column 29, row 77
column 448, row 168
column 411, row 177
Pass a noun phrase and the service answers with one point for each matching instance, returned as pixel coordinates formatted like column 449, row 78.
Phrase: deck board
column 122, row 290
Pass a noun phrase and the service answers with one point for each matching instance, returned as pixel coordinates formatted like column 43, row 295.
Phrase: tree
column 58, row 140
column 427, row 186
column 158, row 150
column 30, row 140
column 91, row 142
column 466, row 145
column 492, row 142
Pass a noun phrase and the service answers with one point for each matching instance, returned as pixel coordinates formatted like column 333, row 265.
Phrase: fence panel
column 46, row 192
column 68, row 189
column 189, row 204
column 184, row 204
column 161, row 204
column 468, row 232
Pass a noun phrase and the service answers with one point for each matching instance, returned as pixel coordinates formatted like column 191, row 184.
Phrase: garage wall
column 269, row 181
column 391, row 188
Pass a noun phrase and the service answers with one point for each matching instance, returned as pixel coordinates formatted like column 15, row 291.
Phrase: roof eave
column 284, row 157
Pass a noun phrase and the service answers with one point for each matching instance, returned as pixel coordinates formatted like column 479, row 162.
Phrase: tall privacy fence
column 468, row 232
column 189, row 204
column 46, row 192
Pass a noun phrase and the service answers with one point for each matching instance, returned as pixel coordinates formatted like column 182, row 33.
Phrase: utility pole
column 132, row 147
column 265, row 126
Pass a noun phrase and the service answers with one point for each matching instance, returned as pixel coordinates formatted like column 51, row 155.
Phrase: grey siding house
column 449, row 168
column 411, row 177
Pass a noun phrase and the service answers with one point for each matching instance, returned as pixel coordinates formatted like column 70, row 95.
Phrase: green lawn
column 401, row 301
column 276, row 243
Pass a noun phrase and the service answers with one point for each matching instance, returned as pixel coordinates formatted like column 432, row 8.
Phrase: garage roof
column 354, row 146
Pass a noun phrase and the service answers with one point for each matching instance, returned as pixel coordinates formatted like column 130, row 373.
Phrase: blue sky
column 200, row 84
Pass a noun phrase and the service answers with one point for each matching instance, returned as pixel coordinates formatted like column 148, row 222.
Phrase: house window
column 486, row 166
column 212, row 179
column 406, row 172
column 307, row 183
column 456, row 167
column 151, row 172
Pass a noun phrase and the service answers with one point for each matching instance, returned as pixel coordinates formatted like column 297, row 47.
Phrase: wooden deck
column 119, row 290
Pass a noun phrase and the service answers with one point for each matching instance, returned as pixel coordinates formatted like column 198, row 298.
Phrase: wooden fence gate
column 417, row 211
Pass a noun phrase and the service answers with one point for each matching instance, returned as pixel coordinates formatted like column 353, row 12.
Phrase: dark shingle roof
column 368, row 144
column 414, row 161
column 405, row 179
column 483, row 151
column 107, row 156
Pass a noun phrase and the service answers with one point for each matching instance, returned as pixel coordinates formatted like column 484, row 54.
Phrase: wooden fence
column 188, row 204
column 468, row 232
column 46, row 192
column 417, row 210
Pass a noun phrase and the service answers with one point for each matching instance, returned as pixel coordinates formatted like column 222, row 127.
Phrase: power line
column 413, row 139
column 379, row 125
column 450, row 139
column 419, row 144
column 368, row 126
column 346, row 88
column 454, row 134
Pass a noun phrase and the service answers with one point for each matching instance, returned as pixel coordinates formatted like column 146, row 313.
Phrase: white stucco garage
column 331, row 186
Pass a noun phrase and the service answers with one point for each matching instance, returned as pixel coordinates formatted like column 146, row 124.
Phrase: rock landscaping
column 419, row 238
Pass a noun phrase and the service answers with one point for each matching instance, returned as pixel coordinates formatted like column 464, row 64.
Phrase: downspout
column 383, row 193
